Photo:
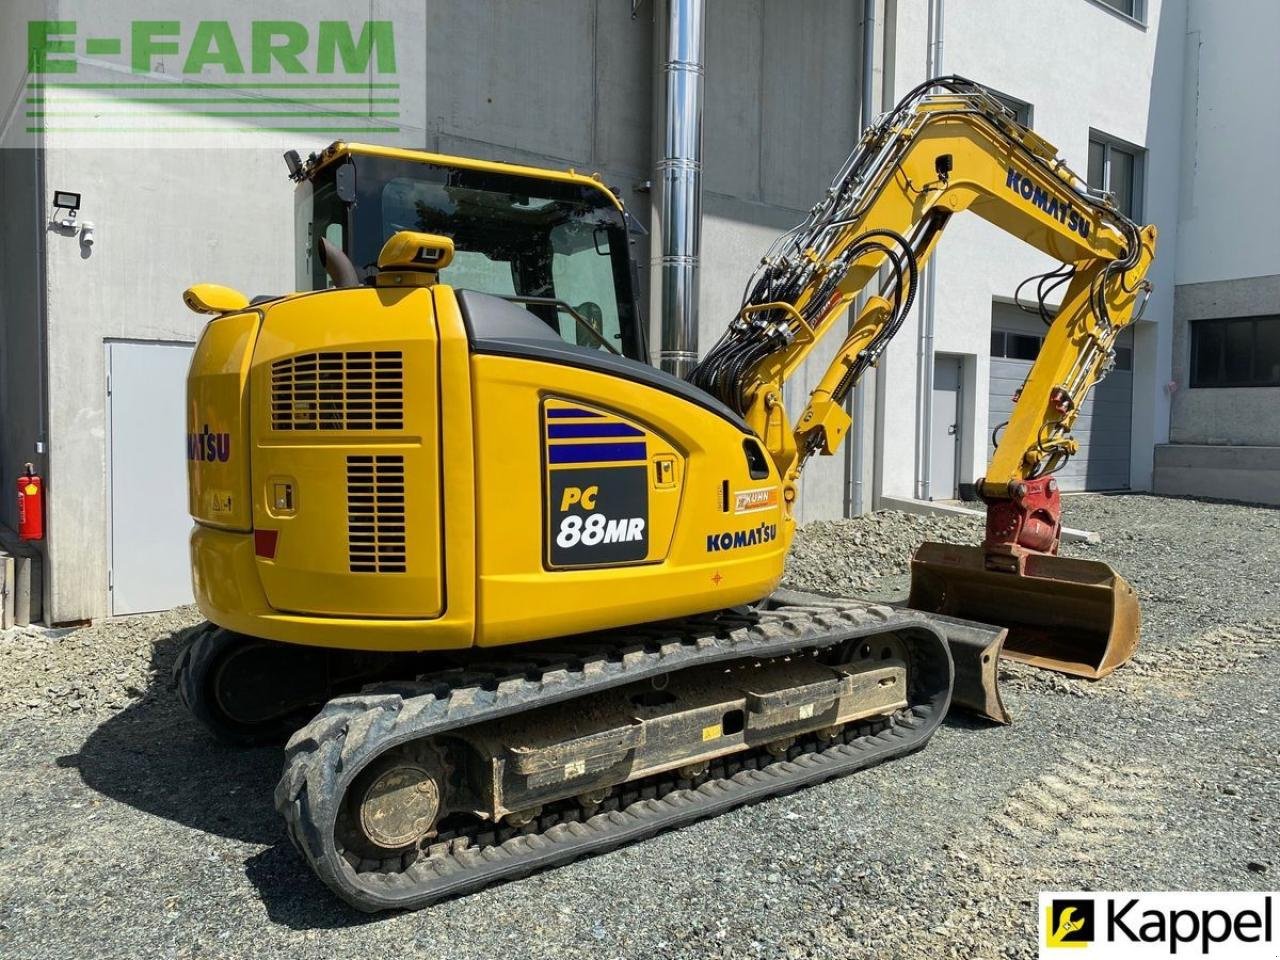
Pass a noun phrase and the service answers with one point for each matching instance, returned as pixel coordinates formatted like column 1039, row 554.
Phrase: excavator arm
column 947, row 147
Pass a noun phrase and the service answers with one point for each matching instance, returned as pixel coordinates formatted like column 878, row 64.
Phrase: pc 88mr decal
column 597, row 489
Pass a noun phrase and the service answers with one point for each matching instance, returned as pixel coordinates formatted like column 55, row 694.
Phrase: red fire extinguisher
column 30, row 506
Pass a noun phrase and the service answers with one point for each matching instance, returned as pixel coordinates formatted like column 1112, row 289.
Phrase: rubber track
column 324, row 757
column 190, row 674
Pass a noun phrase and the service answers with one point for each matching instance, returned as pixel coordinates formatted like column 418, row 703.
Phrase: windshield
column 521, row 237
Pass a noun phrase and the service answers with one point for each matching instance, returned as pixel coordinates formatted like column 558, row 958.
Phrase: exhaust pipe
column 336, row 264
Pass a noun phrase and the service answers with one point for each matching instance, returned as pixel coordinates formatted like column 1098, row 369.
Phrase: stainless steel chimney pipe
column 679, row 35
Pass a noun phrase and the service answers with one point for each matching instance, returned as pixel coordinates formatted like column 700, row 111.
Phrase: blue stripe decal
column 566, row 431
column 595, row 452
column 560, row 413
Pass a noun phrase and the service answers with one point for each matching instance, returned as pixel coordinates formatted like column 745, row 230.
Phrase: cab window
column 552, row 246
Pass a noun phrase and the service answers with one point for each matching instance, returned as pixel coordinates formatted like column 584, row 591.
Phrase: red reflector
column 264, row 543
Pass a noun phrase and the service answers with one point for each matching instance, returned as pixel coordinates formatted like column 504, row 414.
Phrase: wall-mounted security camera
column 86, row 234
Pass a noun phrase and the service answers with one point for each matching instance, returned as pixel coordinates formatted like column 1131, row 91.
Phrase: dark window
column 1266, row 357
column 1023, row 346
column 1015, row 346
column 1116, row 168
column 1020, row 109
column 1237, row 352
column 1124, row 358
column 1130, row 8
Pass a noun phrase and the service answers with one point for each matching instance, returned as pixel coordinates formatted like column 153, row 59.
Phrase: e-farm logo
column 96, row 74
column 1105, row 925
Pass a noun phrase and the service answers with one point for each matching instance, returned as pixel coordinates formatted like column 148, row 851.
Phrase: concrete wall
column 566, row 83
column 1230, row 140
column 1244, row 473
column 1098, row 71
column 1228, row 261
column 782, row 91
column 1222, row 415
column 158, row 231
column 21, row 230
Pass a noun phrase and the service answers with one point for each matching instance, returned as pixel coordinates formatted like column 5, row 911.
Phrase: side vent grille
column 338, row 390
column 375, row 514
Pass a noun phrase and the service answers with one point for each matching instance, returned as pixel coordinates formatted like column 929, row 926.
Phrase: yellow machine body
column 385, row 487
column 456, row 442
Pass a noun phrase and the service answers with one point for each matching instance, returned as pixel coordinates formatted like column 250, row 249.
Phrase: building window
column 1133, row 9
column 1115, row 167
column 1026, row 346
column 1015, row 346
column 1020, row 109
column 1237, row 352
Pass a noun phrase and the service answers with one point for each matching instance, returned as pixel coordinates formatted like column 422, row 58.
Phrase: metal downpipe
column 679, row 38
column 924, row 351
column 857, row 501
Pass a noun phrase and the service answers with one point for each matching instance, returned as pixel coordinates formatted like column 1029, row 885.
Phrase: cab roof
column 341, row 148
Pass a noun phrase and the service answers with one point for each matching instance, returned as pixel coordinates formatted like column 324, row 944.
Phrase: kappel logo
column 1107, row 925
column 1069, row 923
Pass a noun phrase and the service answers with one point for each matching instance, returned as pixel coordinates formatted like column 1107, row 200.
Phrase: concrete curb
column 929, row 508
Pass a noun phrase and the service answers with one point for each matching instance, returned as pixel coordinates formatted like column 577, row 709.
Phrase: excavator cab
column 557, row 245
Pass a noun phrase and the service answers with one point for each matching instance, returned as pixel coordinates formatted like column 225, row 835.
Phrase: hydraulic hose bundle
column 805, row 266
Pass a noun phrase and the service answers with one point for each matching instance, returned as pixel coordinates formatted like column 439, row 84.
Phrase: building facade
column 95, row 336
column 1225, row 383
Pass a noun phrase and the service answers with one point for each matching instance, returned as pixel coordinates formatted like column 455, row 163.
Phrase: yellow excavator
column 528, row 581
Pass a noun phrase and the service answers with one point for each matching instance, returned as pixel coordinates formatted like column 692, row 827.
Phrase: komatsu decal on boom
column 529, row 582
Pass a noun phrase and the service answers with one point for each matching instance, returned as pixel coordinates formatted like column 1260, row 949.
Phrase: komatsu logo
column 208, row 447
column 736, row 539
column 1062, row 211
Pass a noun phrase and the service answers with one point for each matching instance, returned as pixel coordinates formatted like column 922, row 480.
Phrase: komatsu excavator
column 529, row 581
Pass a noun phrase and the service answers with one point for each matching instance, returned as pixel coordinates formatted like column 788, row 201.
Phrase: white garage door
column 1105, row 420
column 150, row 569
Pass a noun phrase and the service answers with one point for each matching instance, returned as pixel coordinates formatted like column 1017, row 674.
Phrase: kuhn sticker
column 753, row 501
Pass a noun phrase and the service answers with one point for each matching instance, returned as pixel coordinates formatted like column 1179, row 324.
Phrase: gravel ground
column 128, row 833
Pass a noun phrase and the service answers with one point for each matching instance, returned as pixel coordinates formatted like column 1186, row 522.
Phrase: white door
column 944, row 444
column 146, row 387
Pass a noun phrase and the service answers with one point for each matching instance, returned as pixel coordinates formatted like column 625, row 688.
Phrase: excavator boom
column 950, row 146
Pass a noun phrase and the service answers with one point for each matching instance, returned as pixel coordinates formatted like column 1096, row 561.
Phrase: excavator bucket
column 1074, row 616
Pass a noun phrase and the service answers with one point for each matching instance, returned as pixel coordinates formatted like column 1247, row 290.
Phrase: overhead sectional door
column 1106, row 419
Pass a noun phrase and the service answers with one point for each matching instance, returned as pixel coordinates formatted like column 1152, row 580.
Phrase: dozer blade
column 975, row 652
column 1075, row 616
